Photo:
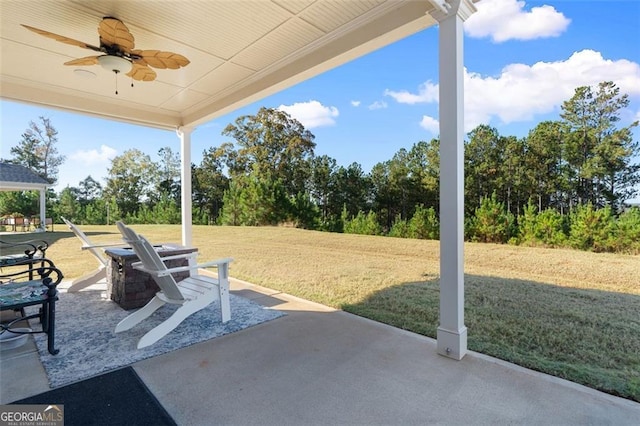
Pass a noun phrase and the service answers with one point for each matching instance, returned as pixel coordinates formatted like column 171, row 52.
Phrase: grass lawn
column 572, row 314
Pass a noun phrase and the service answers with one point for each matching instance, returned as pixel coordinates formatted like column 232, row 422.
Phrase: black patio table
column 18, row 295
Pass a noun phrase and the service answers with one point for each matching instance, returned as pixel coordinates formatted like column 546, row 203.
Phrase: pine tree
column 600, row 155
column 37, row 150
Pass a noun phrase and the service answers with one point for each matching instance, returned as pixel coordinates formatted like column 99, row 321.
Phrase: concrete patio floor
column 319, row 366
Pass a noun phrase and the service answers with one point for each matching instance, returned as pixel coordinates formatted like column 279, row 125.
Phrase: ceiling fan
column 117, row 52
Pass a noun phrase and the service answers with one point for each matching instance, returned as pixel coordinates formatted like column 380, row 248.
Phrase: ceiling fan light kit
column 115, row 64
column 118, row 54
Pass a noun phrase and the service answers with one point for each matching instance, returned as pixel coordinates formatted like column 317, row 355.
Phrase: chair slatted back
column 87, row 243
column 151, row 260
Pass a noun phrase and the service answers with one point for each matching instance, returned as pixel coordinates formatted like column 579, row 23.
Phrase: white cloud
column 93, row 156
column 427, row 92
column 355, row 103
column 504, row 20
column 522, row 91
column 378, row 105
column 83, row 163
column 312, row 114
column 430, row 124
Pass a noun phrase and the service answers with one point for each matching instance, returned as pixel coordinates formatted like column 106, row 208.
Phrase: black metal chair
column 24, row 252
column 18, row 290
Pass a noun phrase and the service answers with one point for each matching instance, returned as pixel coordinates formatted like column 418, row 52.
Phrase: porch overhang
column 14, row 186
column 240, row 51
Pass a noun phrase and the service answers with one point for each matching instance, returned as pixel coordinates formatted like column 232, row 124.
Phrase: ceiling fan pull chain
column 116, row 73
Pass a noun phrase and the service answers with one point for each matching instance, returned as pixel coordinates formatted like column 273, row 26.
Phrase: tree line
column 563, row 176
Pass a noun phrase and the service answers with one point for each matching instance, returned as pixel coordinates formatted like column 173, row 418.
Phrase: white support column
column 43, row 209
column 452, row 333
column 185, row 180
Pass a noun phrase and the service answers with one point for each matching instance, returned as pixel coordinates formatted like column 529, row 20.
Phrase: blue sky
column 522, row 60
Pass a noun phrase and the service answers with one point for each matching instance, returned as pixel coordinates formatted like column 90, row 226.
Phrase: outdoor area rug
column 85, row 324
column 116, row 398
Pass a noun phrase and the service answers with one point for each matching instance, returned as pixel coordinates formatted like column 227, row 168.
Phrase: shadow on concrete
column 587, row 336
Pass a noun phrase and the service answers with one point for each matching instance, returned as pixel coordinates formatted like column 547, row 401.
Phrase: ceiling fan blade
column 114, row 31
column 62, row 39
column 142, row 73
column 161, row 60
column 88, row 60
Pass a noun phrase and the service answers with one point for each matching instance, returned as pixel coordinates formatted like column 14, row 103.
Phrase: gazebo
column 14, row 177
column 240, row 52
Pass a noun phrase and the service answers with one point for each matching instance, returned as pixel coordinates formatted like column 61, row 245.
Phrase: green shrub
column 549, row 228
column 424, row 224
column 95, row 213
column 492, row 223
column 469, row 224
column 304, row 213
column 627, row 232
column 167, row 211
column 201, row 218
column 527, row 225
column 541, row 229
column 592, row 229
column 364, row 224
column 331, row 223
column 255, row 201
column 400, row 228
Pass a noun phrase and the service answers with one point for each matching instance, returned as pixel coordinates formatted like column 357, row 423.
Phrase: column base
column 452, row 344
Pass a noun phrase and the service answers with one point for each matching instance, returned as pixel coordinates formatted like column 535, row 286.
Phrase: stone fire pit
column 131, row 288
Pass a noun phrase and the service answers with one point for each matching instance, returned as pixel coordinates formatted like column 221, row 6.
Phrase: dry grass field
column 568, row 313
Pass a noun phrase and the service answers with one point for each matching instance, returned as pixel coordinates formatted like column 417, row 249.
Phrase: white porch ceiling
column 240, row 51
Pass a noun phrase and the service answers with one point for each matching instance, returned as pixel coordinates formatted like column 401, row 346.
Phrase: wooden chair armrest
column 138, row 264
column 179, row 256
column 216, row 263
column 92, row 246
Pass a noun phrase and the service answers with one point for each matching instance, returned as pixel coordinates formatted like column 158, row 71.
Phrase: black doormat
column 116, row 398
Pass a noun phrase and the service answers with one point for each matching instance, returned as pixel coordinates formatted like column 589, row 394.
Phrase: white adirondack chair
column 193, row 293
column 100, row 273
